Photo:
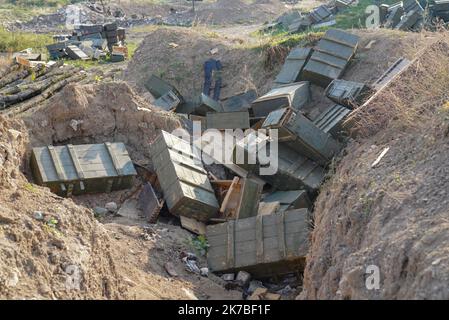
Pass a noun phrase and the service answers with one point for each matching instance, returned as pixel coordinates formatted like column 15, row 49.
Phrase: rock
column 190, row 295
column 204, row 272
column 74, row 124
column 5, row 216
column 253, row 285
column 44, row 289
column 170, row 268
column 111, row 207
column 14, row 133
column 12, row 280
column 228, row 277
column 100, row 211
column 38, row 215
column 243, row 277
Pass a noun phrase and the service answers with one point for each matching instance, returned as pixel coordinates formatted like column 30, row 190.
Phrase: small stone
column 111, row 207
column 243, row 277
column 228, row 277
column 204, row 272
column 255, row 284
column 44, row 289
column 435, row 262
column 38, row 215
column 12, row 280
column 14, row 133
column 170, row 268
column 100, row 211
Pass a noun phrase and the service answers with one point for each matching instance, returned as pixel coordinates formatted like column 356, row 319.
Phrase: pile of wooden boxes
column 91, row 42
column 253, row 222
column 404, row 15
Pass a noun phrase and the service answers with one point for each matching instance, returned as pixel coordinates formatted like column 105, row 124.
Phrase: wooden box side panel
column 249, row 251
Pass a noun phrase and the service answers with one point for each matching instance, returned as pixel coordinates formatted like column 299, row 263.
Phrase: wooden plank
column 230, row 258
column 283, row 252
column 113, row 158
column 271, row 246
column 76, row 164
column 22, row 61
column 56, row 164
column 249, row 201
column 281, row 234
column 193, row 225
column 222, row 183
column 267, row 208
column 228, row 120
column 228, row 207
column 259, row 239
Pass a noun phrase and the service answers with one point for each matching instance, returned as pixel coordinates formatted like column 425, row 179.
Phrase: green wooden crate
column 295, row 171
column 294, row 199
column 262, row 245
column 330, row 121
column 239, row 102
column 291, row 95
column 73, row 170
column 347, row 93
column 207, row 104
column 184, row 182
column 227, row 120
column 330, row 58
column 158, row 88
column 293, row 65
column 300, row 134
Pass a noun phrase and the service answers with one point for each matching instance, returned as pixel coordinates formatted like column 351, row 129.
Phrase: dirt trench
column 56, row 248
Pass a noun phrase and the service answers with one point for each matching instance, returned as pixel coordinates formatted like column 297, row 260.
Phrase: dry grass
column 412, row 98
column 5, row 61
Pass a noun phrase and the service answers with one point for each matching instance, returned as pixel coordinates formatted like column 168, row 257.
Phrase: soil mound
column 98, row 113
column 392, row 216
column 182, row 65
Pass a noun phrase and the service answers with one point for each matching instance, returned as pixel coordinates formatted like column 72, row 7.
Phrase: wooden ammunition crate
column 291, row 95
column 302, row 135
column 262, row 245
column 184, row 182
column 79, row 169
column 330, row 58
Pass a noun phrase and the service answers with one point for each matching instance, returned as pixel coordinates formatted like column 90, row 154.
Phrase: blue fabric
column 212, row 66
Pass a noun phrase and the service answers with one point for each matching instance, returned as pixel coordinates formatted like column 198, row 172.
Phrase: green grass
column 40, row 3
column 283, row 38
column 17, row 41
